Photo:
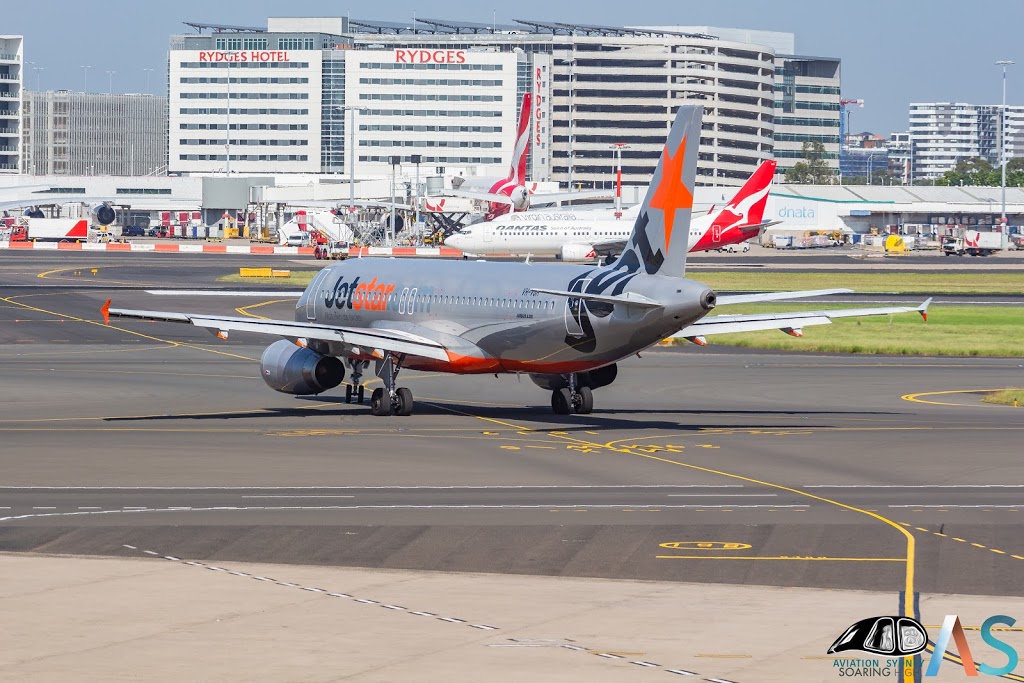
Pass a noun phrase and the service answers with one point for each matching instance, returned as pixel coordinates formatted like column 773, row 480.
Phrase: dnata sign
column 246, row 56
column 796, row 212
column 430, row 56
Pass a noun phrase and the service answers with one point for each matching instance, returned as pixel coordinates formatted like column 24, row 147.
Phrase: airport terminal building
column 316, row 95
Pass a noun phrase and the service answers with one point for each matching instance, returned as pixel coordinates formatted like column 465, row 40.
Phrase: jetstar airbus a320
column 565, row 326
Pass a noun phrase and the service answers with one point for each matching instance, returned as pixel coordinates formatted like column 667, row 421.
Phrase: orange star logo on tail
column 671, row 194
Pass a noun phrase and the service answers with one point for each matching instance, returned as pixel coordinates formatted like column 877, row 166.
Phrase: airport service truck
column 973, row 243
column 47, row 230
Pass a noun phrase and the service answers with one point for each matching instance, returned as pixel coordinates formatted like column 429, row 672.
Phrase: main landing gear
column 355, row 389
column 572, row 399
column 390, row 399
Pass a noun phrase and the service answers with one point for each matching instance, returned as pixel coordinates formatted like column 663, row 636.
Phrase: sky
column 893, row 52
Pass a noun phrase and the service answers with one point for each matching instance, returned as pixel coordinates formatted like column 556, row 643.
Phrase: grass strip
column 1006, row 397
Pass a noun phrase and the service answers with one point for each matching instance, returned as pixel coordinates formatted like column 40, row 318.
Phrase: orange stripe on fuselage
column 475, row 365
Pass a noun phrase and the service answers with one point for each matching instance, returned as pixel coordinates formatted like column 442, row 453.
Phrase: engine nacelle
column 595, row 379
column 293, row 369
column 105, row 215
column 577, row 252
column 520, row 198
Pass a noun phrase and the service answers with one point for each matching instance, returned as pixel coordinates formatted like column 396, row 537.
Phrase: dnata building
column 314, row 95
column 11, row 81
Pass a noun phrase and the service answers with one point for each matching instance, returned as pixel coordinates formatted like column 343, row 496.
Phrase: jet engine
column 520, row 198
column 104, row 214
column 595, row 379
column 293, row 369
column 577, row 252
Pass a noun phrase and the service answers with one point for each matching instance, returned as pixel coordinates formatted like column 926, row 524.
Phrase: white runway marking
column 303, row 496
column 323, row 508
column 722, row 495
column 930, row 505
column 219, row 292
column 914, row 486
column 371, row 488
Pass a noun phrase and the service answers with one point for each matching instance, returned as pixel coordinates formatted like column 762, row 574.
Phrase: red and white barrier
column 254, row 249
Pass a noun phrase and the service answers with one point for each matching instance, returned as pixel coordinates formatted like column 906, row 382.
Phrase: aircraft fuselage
column 489, row 317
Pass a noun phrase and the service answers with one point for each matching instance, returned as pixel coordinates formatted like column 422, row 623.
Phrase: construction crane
column 844, row 122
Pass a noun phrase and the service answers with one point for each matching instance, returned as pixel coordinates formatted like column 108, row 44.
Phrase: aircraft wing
column 791, row 323
column 61, row 199
column 484, row 196
column 342, row 203
column 370, row 339
column 727, row 299
column 553, row 197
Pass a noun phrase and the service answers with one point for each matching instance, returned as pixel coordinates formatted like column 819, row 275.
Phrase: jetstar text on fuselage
column 244, row 56
column 369, row 296
column 430, row 56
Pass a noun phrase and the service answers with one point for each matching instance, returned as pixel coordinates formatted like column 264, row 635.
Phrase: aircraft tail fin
column 748, row 204
column 659, row 241
column 517, row 170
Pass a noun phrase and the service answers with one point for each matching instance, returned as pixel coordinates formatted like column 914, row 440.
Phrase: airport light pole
column 416, row 159
column 110, row 82
column 618, row 147
column 351, row 154
column 395, row 162
column 148, row 74
column 85, row 83
column 1004, row 239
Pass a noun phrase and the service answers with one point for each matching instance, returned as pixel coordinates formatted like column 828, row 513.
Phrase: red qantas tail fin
column 517, row 171
column 751, row 199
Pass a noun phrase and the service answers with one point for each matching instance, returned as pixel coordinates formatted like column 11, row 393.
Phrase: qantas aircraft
column 586, row 235
column 512, row 193
column 566, row 326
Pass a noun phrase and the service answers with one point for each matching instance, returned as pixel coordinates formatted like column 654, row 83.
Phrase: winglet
column 923, row 309
column 105, row 310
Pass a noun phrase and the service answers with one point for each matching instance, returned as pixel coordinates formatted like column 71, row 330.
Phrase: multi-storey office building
column 944, row 133
column 75, row 133
column 11, row 81
column 807, row 93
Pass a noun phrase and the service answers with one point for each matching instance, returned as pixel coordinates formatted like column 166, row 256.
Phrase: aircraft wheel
column 380, row 403
column 348, row 393
column 586, row 401
column 362, row 394
column 405, row 402
column 561, row 401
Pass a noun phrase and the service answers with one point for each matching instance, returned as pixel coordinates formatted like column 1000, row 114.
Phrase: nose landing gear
column 355, row 389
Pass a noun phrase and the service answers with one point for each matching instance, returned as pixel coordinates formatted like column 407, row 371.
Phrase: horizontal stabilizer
column 787, row 322
column 628, row 298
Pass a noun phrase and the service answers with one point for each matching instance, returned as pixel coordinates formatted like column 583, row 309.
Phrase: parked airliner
column 586, row 235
